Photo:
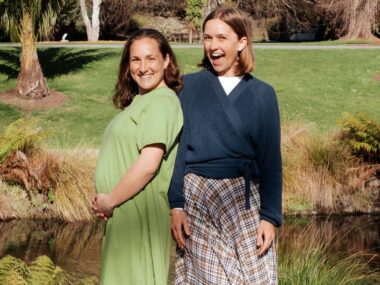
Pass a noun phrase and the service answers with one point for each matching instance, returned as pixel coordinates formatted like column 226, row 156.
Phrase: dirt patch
column 376, row 77
column 11, row 97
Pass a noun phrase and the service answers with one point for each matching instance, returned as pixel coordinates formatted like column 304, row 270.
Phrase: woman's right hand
column 102, row 206
column 180, row 226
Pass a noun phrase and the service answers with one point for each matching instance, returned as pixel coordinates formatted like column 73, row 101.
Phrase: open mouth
column 216, row 57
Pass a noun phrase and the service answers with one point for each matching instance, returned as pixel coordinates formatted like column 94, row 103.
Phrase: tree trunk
column 190, row 35
column 31, row 81
column 361, row 15
column 92, row 27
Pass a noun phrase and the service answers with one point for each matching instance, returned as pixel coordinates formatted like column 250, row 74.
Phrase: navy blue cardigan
column 243, row 126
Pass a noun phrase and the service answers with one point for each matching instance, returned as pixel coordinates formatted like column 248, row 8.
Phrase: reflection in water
column 76, row 246
column 348, row 234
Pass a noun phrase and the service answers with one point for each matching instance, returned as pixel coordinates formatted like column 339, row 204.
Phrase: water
column 76, row 247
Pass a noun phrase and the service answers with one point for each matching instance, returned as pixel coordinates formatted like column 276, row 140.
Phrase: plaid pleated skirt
column 222, row 246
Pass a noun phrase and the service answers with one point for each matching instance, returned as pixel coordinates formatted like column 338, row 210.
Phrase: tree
column 194, row 15
column 93, row 26
column 115, row 17
column 351, row 19
column 28, row 21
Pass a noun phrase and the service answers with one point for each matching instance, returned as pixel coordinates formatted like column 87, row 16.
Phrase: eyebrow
column 217, row 35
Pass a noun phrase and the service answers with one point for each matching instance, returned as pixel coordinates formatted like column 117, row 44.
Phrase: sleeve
column 269, row 159
column 175, row 193
column 160, row 122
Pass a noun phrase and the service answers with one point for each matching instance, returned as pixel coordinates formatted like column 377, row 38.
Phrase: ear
column 242, row 43
column 166, row 61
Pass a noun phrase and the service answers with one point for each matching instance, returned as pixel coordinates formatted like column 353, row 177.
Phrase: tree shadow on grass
column 54, row 61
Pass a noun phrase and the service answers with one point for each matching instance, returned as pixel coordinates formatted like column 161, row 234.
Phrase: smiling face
column 222, row 46
column 147, row 64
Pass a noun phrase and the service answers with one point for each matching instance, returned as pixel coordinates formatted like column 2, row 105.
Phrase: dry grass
column 63, row 186
column 73, row 184
column 321, row 175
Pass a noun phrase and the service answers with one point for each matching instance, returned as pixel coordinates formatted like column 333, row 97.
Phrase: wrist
column 110, row 201
column 176, row 211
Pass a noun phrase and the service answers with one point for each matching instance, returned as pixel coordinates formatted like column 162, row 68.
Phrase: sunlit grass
column 312, row 85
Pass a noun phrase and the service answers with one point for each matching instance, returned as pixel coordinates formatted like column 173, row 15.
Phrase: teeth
column 217, row 54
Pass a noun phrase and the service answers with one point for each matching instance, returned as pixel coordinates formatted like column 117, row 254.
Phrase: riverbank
column 336, row 241
column 320, row 177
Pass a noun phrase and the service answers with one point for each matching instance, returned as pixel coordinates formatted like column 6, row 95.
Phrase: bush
column 21, row 135
column 362, row 135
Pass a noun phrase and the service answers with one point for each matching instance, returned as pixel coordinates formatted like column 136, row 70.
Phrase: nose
column 143, row 66
column 213, row 44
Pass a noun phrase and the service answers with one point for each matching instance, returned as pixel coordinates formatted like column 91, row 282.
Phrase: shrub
column 362, row 135
column 20, row 135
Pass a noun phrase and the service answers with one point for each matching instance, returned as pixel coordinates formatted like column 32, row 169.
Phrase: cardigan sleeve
column 175, row 193
column 269, row 158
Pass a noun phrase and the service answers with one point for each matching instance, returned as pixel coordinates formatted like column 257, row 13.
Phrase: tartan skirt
column 222, row 246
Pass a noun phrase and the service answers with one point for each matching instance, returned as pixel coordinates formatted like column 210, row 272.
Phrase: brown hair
column 241, row 25
column 126, row 88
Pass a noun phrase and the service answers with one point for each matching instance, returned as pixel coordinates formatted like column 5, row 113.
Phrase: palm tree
column 28, row 21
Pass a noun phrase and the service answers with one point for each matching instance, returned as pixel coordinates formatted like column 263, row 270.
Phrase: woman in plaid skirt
column 225, row 194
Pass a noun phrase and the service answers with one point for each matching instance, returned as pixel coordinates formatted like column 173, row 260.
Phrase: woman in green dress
column 136, row 162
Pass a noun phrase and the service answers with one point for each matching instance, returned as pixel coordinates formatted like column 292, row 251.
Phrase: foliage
column 69, row 20
column 41, row 271
column 362, row 134
column 115, row 17
column 169, row 27
column 163, row 8
column 194, row 12
column 20, row 135
column 43, row 15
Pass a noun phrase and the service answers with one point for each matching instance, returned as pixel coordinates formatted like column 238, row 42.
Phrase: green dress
column 137, row 242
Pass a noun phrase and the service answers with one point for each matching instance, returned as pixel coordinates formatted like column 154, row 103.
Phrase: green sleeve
column 160, row 122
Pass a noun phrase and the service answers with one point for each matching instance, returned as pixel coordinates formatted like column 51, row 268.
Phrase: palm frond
column 43, row 14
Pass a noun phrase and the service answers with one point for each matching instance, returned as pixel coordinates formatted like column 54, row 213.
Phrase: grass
column 313, row 85
column 308, row 261
column 321, row 175
column 314, row 88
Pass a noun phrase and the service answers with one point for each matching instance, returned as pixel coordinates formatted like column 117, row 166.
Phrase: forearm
column 137, row 176
column 131, row 183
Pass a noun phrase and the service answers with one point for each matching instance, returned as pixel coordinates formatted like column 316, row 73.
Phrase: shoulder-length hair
column 242, row 26
column 126, row 88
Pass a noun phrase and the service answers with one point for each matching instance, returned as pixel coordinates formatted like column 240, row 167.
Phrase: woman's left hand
column 102, row 206
column 265, row 236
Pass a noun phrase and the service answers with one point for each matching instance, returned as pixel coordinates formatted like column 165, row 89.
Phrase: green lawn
column 312, row 85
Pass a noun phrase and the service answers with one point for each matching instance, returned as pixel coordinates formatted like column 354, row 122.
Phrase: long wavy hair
column 126, row 88
column 242, row 26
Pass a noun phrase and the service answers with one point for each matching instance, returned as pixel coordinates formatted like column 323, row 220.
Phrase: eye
column 206, row 38
column 151, row 58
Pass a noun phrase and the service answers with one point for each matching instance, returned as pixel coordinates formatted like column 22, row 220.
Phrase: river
column 76, row 246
